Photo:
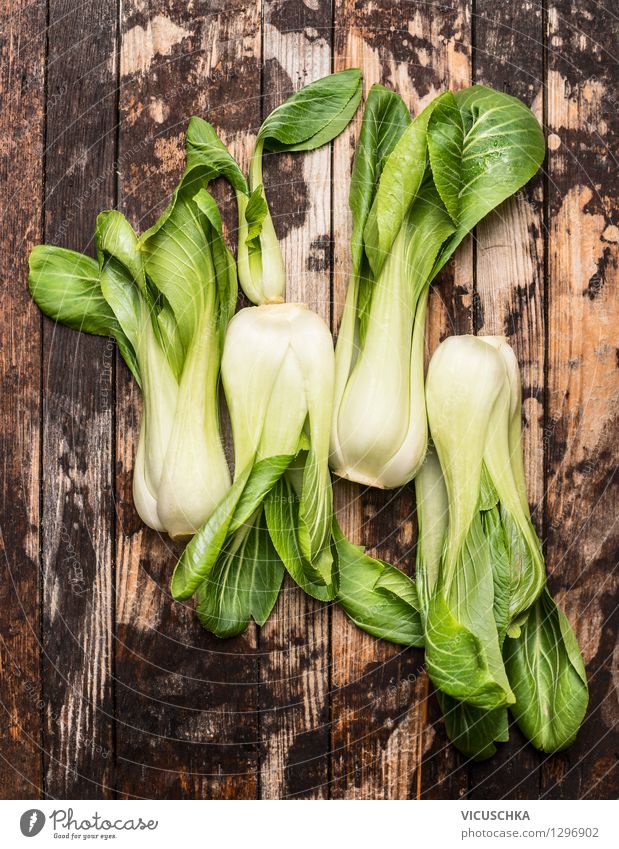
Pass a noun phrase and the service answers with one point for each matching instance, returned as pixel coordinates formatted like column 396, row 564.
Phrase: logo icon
column 31, row 822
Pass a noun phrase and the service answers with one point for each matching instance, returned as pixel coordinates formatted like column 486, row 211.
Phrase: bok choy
column 277, row 371
column 494, row 637
column 166, row 298
column 308, row 119
column 417, row 189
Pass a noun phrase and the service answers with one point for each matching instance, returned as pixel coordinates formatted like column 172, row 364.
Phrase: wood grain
column 509, row 300
column 125, row 694
column 77, row 434
column 22, row 62
column 294, row 643
column 380, row 695
column 186, row 702
column 581, row 430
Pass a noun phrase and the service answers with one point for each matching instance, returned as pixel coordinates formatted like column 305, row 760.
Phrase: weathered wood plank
column 583, row 315
column 380, row 696
column 509, row 300
column 77, row 434
column 294, row 643
column 22, row 51
column 186, row 702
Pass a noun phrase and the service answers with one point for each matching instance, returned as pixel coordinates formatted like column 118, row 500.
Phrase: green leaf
column 548, row 677
column 314, row 115
column 263, row 477
column 399, row 183
column 473, row 731
column 503, row 147
column 501, row 569
column 394, row 583
column 385, row 117
column 445, row 141
column 377, row 600
column 428, row 225
column 315, row 516
column 223, row 262
column 178, row 260
column 432, row 519
column 282, row 516
column 235, row 509
column 255, row 213
column 244, row 582
column 65, row 286
column 463, row 653
column 122, row 280
column 205, row 148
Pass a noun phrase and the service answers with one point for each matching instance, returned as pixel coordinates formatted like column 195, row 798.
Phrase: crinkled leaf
column 385, row 611
column 314, row 115
column 243, row 584
column 445, row 140
column 282, row 516
column 547, row 674
column 503, row 148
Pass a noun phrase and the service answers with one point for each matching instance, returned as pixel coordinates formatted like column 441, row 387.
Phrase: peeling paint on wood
column 582, row 495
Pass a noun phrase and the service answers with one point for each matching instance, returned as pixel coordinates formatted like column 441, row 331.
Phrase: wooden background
column 108, row 688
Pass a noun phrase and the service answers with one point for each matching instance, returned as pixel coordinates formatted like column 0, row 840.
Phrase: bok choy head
column 417, row 189
column 277, row 372
column 166, row 298
column 480, row 569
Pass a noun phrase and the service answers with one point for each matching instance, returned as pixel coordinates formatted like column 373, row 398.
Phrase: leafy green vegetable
column 166, row 298
column 466, row 386
column 277, row 372
column 548, row 677
column 239, row 505
column 502, row 148
column 474, row 731
column 282, row 517
column 487, row 558
column 308, row 119
column 460, row 157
